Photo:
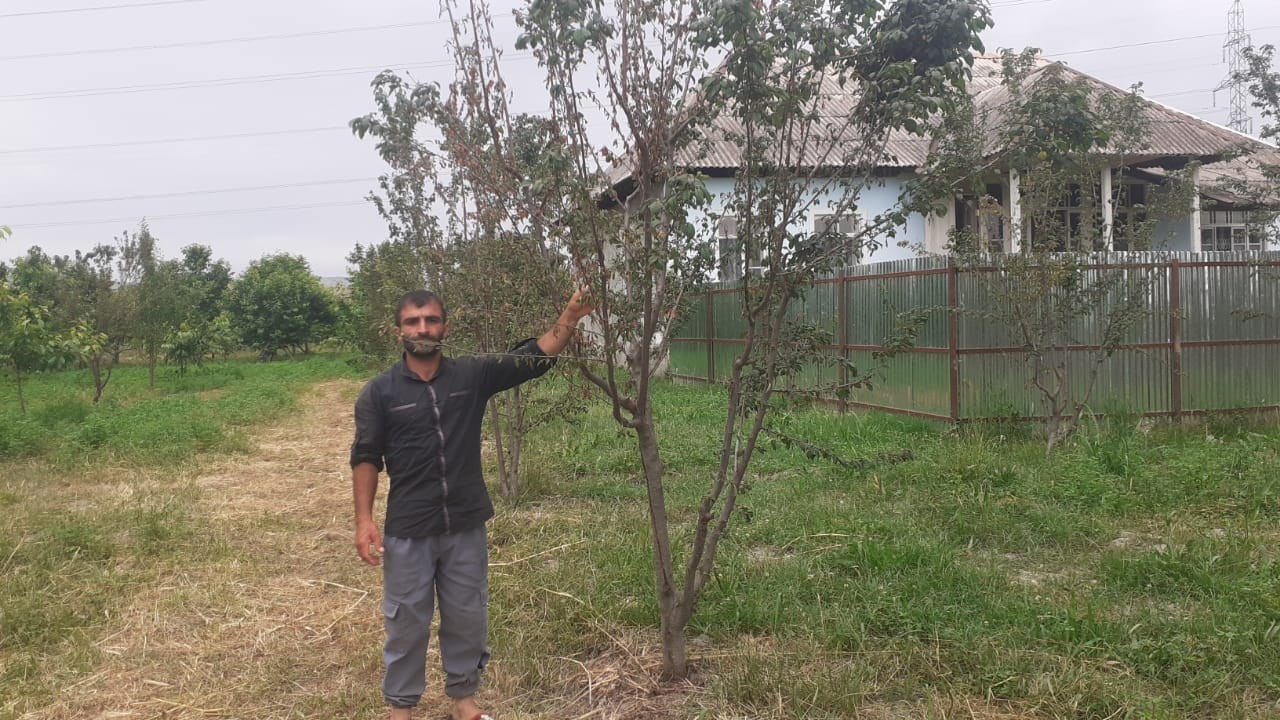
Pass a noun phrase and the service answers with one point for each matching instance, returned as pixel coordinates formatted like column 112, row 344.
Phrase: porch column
column 1015, row 212
column 1108, row 211
column 1194, row 245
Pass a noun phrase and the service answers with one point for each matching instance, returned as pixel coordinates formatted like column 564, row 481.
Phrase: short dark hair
column 420, row 298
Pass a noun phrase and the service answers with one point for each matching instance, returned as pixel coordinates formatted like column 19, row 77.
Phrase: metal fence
column 1210, row 341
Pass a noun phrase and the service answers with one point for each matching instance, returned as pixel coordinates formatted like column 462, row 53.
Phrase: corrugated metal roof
column 1173, row 135
column 1243, row 180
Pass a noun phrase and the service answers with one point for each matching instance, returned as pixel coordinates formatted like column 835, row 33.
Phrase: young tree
column 221, row 337
column 1060, row 134
column 154, row 294
column 491, row 261
column 28, row 343
column 185, row 346
column 1254, row 177
column 78, row 290
column 643, row 243
column 278, row 305
column 92, row 298
column 1264, row 85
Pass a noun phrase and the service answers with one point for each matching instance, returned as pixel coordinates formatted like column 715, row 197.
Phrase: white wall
column 881, row 196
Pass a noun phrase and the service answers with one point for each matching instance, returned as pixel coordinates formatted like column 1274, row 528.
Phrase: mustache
column 422, row 345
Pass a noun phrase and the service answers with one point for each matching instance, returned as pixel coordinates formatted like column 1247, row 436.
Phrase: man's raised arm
column 555, row 339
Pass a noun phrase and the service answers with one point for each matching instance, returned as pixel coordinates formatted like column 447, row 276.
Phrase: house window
column 1073, row 224
column 991, row 224
column 985, row 217
column 1229, row 231
column 1129, row 217
column 730, row 250
column 840, row 237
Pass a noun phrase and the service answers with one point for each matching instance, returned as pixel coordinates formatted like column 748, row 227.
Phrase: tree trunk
column 22, row 401
column 99, row 382
column 675, row 665
column 498, row 445
column 1057, row 429
column 515, row 445
column 151, row 373
column 95, row 368
column 675, row 660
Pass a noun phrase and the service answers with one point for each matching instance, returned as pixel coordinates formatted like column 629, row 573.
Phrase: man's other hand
column 368, row 542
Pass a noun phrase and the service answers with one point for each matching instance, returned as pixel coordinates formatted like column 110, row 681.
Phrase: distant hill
column 335, row 283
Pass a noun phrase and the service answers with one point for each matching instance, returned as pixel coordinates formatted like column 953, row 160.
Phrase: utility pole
column 1233, row 56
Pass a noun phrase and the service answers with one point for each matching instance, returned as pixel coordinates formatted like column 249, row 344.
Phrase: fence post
column 1175, row 338
column 711, row 340
column 842, row 317
column 953, row 335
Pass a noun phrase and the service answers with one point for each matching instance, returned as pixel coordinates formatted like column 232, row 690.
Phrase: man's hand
column 553, row 341
column 368, row 542
column 579, row 305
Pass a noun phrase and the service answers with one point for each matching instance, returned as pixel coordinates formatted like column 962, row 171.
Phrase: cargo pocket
column 399, row 634
column 390, row 609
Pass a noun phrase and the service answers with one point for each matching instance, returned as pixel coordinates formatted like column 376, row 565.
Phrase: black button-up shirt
column 428, row 434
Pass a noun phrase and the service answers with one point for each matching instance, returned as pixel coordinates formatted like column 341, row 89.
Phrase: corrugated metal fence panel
column 877, row 306
column 1229, row 303
column 1148, row 285
column 1130, row 382
column 726, row 353
column 689, row 358
column 1231, row 376
column 984, row 320
column 995, row 386
column 1233, row 302
column 911, row 381
column 1216, row 304
column 693, row 321
column 1000, row 385
column 727, row 307
column 818, row 376
column 979, row 314
column 819, row 307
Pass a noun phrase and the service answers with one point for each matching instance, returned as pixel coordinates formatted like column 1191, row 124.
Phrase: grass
column 1134, row 574
column 97, row 503
column 205, row 409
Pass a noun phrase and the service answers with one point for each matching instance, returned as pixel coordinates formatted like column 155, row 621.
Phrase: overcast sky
column 224, row 121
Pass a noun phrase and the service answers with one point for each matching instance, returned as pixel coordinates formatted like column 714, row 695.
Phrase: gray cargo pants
column 415, row 571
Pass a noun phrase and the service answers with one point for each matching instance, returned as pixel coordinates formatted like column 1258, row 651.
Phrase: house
column 1217, row 219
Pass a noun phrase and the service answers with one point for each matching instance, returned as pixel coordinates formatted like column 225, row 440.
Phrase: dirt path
column 274, row 618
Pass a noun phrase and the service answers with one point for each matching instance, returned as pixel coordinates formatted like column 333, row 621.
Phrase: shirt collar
column 403, row 368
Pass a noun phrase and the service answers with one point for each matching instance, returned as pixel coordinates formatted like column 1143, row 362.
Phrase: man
column 422, row 417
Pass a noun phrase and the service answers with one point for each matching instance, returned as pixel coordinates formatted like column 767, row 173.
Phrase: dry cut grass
column 265, row 611
column 269, row 614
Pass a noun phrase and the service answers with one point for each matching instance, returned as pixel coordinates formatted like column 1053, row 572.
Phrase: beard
column 425, row 347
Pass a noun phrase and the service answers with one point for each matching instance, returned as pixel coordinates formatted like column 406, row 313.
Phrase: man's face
column 422, row 329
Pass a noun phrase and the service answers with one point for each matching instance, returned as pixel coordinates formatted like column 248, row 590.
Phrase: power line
column 164, row 141
column 1149, row 42
column 223, row 41
column 206, row 213
column 213, row 82
column 240, row 80
column 96, row 8
column 1017, row 3
column 190, row 193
